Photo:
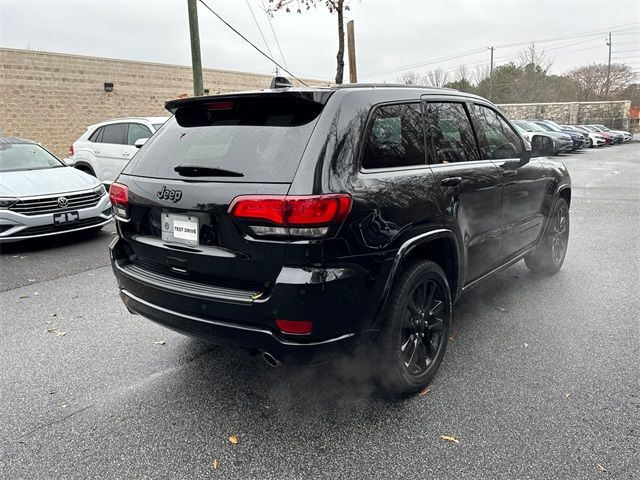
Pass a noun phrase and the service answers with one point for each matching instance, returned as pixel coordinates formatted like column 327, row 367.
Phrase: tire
column 589, row 143
column 549, row 256
column 414, row 337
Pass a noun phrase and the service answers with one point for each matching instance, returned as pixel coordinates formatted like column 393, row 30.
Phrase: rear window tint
column 262, row 139
column 395, row 137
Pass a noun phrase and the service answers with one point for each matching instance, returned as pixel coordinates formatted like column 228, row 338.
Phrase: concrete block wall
column 613, row 114
column 52, row 98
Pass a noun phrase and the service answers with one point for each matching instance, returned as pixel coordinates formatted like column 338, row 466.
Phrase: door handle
column 451, row 181
column 509, row 173
column 97, row 152
column 125, row 154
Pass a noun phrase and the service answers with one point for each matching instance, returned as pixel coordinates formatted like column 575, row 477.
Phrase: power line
column 249, row 41
column 274, row 33
column 589, row 33
column 259, row 29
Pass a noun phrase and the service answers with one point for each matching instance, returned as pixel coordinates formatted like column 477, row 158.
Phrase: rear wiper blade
column 196, row 171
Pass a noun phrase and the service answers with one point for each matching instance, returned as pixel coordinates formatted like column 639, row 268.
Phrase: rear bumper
column 340, row 301
column 245, row 336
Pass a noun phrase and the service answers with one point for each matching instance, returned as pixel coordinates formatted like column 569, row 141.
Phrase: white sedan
column 41, row 196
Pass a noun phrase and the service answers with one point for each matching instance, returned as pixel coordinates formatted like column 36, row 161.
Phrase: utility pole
column 491, row 75
column 196, row 60
column 351, row 47
column 608, row 66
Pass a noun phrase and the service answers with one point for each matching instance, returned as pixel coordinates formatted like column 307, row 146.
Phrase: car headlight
column 100, row 190
column 6, row 202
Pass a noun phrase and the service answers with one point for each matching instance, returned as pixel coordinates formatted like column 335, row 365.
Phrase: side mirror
column 525, row 156
column 140, row 142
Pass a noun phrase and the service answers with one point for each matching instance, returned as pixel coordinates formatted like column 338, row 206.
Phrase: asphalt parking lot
column 540, row 380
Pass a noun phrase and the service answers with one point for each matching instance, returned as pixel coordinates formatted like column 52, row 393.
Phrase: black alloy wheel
column 414, row 338
column 424, row 323
column 550, row 254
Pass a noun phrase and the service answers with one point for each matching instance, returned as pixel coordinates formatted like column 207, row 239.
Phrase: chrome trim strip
column 235, row 326
column 185, row 287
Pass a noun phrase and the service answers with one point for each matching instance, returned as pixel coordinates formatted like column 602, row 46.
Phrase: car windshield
column 548, row 127
column 530, row 126
column 25, row 156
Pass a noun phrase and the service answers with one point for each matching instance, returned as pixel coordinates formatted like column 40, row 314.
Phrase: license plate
column 65, row 217
column 180, row 229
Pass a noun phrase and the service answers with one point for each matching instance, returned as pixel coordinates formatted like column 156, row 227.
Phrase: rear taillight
column 71, row 151
column 298, row 216
column 119, row 196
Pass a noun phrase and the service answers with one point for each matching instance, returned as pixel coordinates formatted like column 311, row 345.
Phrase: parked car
column 543, row 143
column 609, row 137
column 577, row 138
column 303, row 223
column 41, row 196
column 561, row 141
column 105, row 148
column 592, row 139
column 626, row 136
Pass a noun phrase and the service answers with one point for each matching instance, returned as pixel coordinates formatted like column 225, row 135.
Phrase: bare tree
column 338, row 6
column 591, row 80
column 436, row 78
column 532, row 84
column 462, row 74
column 412, row 78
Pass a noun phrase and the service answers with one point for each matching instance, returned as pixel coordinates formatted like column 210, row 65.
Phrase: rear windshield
column 252, row 140
column 25, row 156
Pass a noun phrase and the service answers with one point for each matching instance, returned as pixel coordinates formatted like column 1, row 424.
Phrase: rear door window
column 116, row 133
column 449, row 133
column 257, row 139
column 136, row 132
column 395, row 137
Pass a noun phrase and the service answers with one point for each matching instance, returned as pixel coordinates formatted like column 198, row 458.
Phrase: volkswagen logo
column 63, row 202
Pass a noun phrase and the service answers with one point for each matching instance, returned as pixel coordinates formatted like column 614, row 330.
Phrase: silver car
column 41, row 196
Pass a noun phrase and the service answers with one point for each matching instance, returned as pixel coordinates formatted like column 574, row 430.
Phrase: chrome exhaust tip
column 270, row 359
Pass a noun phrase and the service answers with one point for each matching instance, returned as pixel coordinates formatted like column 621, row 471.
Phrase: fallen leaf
column 31, row 280
column 24, row 295
column 502, row 309
column 449, row 438
column 601, row 468
column 424, row 391
column 51, row 328
column 54, row 314
column 567, row 395
column 268, row 407
column 234, row 439
column 525, row 345
column 215, row 464
column 75, row 295
column 159, row 342
column 22, row 441
column 454, row 335
column 59, row 333
column 64, row 405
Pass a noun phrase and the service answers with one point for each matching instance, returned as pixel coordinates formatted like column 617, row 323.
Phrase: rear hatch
column 183, row 180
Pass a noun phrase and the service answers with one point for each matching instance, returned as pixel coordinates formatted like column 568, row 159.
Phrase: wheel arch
column 84, row 166
column 440, row 246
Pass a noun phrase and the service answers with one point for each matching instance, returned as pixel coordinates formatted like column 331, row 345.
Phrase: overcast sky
column 390, row 34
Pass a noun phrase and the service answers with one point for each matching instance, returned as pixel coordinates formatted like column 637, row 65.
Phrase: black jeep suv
column 303, row 222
